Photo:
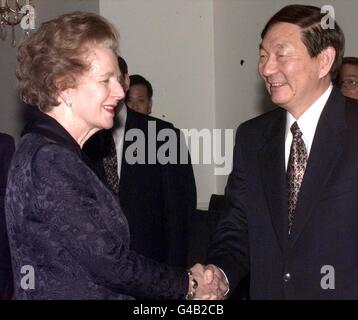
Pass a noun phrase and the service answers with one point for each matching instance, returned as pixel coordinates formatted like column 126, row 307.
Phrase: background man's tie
column 111, row 168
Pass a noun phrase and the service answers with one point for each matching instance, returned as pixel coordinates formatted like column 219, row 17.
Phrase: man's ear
column 150, row 106
column 326, row 58
column 127, row 82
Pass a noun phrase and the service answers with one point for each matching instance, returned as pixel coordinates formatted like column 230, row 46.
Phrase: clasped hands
column 211, row 282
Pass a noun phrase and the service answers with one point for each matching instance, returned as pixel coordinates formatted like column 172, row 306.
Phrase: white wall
column 171, row 44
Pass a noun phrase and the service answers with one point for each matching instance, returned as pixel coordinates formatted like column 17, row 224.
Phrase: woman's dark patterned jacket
column 66, row 225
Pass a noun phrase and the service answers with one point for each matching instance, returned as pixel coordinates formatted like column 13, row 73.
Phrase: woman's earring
column 69, row 102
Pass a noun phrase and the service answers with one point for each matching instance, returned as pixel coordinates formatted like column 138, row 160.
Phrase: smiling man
column 292, row 207
column 140, row 94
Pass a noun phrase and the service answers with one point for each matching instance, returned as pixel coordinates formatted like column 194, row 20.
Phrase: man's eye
column 105, row 81
column 349, row 82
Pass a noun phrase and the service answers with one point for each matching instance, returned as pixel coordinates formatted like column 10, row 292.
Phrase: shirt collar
column 122, row 115
column 309, row 119
column 120, row 120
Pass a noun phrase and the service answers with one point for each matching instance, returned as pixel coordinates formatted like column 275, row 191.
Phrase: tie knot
column 295, row 129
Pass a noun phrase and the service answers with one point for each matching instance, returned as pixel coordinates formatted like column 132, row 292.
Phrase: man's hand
column 212, row 284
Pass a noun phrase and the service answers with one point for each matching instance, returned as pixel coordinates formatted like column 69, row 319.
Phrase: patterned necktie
column 111, row 168
column 295, row 171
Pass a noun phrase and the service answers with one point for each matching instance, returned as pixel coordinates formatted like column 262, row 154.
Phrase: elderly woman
column 65, row 227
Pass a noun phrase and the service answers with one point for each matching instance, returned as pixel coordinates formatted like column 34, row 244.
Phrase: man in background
column 157, row 199
column 140, row 94
column 348, row 77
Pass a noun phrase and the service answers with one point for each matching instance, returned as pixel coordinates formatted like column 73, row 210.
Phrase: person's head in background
column 348, row 77
column 123, row 68
column 139, row 96
column 124, row 80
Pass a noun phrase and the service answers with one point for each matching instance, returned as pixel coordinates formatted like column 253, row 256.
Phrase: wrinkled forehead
column 349, row 70
column 280, row 45
column 282, row 35
column 101, row 62
column 138, row 90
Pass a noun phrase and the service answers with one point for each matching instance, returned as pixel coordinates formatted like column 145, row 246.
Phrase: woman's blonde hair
column 52, row 58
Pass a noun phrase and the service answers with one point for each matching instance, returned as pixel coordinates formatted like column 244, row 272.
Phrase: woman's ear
column 65, row 96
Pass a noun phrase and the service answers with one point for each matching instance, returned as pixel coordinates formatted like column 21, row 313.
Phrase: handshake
column 207, row 283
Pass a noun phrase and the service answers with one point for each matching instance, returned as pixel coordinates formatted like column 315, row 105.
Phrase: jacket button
column 287, row 277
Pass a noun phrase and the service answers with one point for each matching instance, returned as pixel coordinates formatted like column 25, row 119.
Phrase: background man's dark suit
column 7, row 148
column 157, row 199
column 253, row 234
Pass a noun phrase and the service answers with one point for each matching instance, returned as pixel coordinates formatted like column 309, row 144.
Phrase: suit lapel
column 325, row 152
column 272, row 168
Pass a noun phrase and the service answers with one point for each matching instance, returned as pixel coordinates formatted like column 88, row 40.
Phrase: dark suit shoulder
column 261, row 128
column 144, row 118
column 263, row 120
column 162, row 123
column 352, row 111
column 6, row 141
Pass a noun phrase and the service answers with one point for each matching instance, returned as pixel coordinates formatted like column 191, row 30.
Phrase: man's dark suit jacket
column 157, row 199
column 7, row 148
column 253, row 235
column 66, row 224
